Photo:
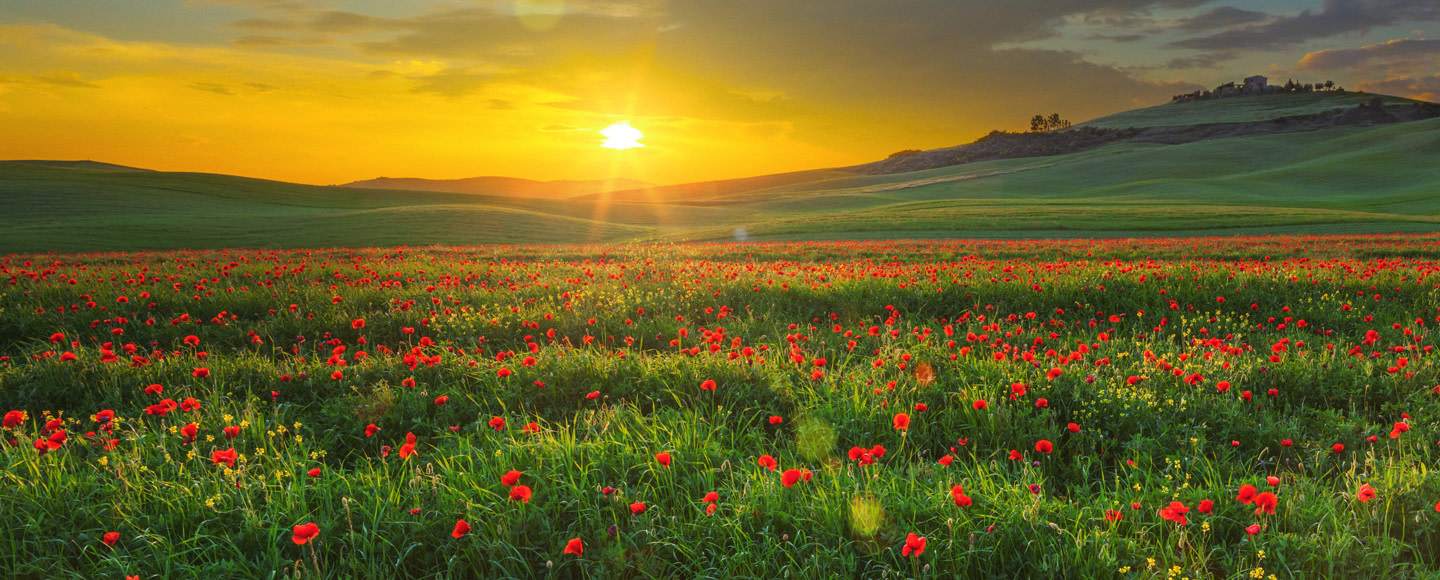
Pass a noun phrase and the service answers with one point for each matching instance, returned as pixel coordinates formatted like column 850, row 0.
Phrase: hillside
column 1291, row 173
column 502, row 186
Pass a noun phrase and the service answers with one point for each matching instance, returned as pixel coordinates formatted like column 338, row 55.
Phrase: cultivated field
column 1196, row 408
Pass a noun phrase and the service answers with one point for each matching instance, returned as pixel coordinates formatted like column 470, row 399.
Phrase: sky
column 333, row 91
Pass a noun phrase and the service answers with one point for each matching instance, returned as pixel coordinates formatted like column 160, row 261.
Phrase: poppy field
column 1161, row 408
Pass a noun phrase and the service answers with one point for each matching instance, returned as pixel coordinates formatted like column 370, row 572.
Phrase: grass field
column 1163, row 408
column 1347, row 179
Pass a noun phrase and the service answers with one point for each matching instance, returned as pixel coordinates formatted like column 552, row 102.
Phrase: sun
column 621, row 136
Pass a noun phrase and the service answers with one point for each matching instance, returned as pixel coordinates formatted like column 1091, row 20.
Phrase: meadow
column 1261, row 407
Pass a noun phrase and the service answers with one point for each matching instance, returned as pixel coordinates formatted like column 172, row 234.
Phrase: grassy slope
column 1359, row 179
column 1236, row 110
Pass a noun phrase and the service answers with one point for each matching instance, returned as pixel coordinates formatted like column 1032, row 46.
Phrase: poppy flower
column 497, row 423
column 574, row 546
column 957, row 493
column 357, row 324
column 304, row 533
column 154, row 389
column 105, row 416
column 1113, row 516
column 921, row 407
column 790, row 477
column 337, row 375
column 315, row 472
column 1272, row 480
column 1286, row 443
column 531, row 427
column 769, row 462
column 1205, row 506
column 441, row 400
column 1338, row 448
column 1366, row 493
column 1041, row 403
column 200, row 372
column 461, row 528
column 1247, row 494
column 946, row 460
column 776, row 419
column 521, row 493
column 1252, row 529
column 1175, row 512
column 189, row 404
column 190, row 430
column 1073, row 428
column 110, row 538
column 1044, row 446
column 913, row 545
column 979, row 405
column 502, row 373
column 407, row 450
column 637, row 508
column 510, row 478
column 369, row 430
column 14, row 419
column 592, row 395
column 707, row 385
column 902, row 421
column 711, row 497
column 233, row 430
column 226, row 456
column 710, row 510
column 1015, row 455
column 663, row 458
column 1265, row 503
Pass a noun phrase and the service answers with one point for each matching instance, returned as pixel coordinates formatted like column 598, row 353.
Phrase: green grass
column 621, row 321
column 1237, row 110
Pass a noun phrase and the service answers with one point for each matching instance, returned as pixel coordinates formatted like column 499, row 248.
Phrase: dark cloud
column 452, row 82
column 1118, row 37
column 1222, row 17
column 66, row 79
column 1423, row 87
column 265, row 40
column 501, row 105
column 1387, row 55
column 1209, row 60
column 1334, row 18
column 216, row 88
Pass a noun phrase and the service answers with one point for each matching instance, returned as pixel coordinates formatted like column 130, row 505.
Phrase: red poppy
column 408, row 382
column 110, row 538
column 407, row 450
column 769, row 462
column 189, row 404
column 510, row 478
column 574, row 546
column 154, row 389
column 1247, row 493
column 105, row 416
column 592, row 395
column 1338, row 448
column 979, row 405
column 775, row 420
column 1205, row 506
column 357, row 324
column 957, row 493
column 1366, row 493
column 710, row 510
column 1073, row 428
column 902, row 421
column 1265, row 503
column 14, row 419
column 637, row 508
column 1175, row 512
column 913, row 545
column 1252, row 529
column 441, row 400
column 707, row 385
column 1272, row 480
column 497, row 423
column 1044, row 446
column 663, row 458
column 369, row 430
column 337, row 375
column 1041, row 403
column 304, row 533
column 461, row 528
column 946, row 460
column 1286, row 443
column 531, row 427
column 1113, row 516
column 233, row 430
column 502, row 373
column 790, row 477
column 315, row 472
column 190, row 430
column 226, row 456
column 1015, row 455
column 200, row 372
column 520, row 492
column 711, row 497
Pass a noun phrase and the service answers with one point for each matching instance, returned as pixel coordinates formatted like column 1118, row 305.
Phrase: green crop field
column 1130, row 408
column 1346, row 179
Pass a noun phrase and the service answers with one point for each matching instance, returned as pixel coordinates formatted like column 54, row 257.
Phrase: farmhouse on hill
column 1255, row 84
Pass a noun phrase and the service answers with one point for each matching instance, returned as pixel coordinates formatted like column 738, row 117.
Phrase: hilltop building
column 1255, row 84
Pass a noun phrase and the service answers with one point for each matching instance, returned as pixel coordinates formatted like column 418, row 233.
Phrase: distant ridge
column 503, row 186
column 84, row 164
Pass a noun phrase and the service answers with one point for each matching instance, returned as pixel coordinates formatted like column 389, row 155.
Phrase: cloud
column 453, row 83
column 1118, row 37
column 265, row 40
column 561, row 127
column 66, row 79
column 1387, row 55
column 1334, row 18
column 1222, row 17
column 1425, row 88
column 216, row 88
column 1209, row 60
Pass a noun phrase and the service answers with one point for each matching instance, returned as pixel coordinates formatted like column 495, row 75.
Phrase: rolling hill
column 1303, row 177
column 502, row 186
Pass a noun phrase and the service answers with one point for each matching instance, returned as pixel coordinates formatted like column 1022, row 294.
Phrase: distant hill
column 1281, row 164
column 503, row 186
column 86, row 164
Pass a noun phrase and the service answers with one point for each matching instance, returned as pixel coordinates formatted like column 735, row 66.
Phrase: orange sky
column 320, row 91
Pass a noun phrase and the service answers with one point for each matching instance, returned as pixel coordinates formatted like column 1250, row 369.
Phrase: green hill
column 1350, row 179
